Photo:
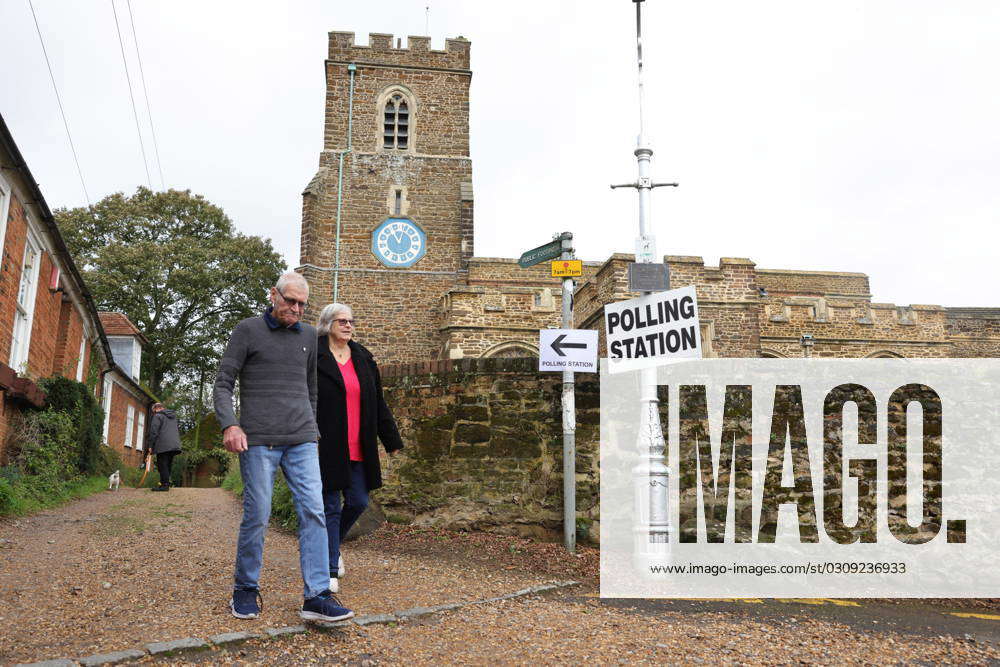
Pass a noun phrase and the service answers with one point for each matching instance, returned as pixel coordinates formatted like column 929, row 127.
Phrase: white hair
column 328, row 315
column 289, row 278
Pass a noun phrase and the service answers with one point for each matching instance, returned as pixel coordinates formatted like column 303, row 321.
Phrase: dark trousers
column 163, row 463
column 340, row 517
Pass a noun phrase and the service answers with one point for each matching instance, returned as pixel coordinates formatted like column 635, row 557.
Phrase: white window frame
column 141, row 431
column 79, row 361
column 24, row 313
column 5, row 195
column 129, row 425
column 136, row 358
column 106, row 404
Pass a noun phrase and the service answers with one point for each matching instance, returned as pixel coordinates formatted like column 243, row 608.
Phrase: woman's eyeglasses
column 344, row 322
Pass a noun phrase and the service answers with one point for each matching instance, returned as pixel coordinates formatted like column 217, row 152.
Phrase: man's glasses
column 292, row 302
column 344, row 322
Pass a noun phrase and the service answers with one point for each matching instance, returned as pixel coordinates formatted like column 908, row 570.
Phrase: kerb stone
column 111, row 658
column 185, row 644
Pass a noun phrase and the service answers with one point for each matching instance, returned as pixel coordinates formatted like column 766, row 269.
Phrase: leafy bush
column 76, row 401
column 56, row 453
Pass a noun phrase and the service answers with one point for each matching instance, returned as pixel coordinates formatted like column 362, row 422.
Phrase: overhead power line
column 145, row 92
column 135, row 113
column 62, row 112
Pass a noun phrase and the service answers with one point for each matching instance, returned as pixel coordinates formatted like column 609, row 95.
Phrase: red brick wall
column 120, row 400
column 67, row 352
column 45, row 323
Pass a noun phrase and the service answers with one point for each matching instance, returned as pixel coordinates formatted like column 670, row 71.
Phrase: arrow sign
column 558, row 345
column 567, row 350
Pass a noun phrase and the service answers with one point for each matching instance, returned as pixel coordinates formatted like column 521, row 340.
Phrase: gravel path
column 550, row 631
column 119, row 570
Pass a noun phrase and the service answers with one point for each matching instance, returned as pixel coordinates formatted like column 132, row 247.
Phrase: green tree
column 172, row 262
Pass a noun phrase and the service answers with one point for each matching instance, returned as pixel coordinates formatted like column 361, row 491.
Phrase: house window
column 4, row 209
column 106, row 404
column 396, row 123
column 24, row 311
column 79, row 360
column 129, row 426
column 140, row 435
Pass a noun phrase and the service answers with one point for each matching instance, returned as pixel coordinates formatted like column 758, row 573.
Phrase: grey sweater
column 277, row 372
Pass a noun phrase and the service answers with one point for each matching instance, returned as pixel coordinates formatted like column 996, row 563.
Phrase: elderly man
column 274, row 357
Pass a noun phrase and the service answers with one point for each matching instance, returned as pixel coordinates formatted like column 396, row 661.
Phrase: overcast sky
column 861, row 135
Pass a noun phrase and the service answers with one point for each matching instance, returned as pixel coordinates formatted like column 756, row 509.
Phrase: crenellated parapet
column 385, row 49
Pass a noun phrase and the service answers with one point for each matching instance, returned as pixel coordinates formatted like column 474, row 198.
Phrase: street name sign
column 652, row 330
column 567, row 350
column 550, row 250
column 567, row 268
column 648, row 277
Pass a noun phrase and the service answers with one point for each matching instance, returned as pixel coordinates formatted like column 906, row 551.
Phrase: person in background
column 274, row 357
column 351, row 412
column 164, row 441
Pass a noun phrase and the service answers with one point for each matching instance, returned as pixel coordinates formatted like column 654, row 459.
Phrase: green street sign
column 550, row 250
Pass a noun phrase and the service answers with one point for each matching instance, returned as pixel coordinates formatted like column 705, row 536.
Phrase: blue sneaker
column 246, row 603
column 325, row 607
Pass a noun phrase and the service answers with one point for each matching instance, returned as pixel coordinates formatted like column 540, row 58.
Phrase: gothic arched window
column 396, row 123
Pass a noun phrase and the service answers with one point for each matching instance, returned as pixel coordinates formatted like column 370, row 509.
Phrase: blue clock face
column 399, row 242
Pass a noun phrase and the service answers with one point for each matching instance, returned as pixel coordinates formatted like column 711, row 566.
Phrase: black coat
column 331, row 417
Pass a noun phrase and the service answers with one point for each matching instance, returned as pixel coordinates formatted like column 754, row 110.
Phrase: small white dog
column 114, row 479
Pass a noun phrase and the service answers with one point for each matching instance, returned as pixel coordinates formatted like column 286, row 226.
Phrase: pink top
column 353, row 389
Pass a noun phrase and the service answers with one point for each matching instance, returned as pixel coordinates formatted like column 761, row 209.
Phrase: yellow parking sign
column 567, row 268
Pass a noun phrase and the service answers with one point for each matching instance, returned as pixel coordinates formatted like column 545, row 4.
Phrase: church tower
column 387, row 220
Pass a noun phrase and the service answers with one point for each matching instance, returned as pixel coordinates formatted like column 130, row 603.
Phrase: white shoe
column 334, row 585
column 340, row 566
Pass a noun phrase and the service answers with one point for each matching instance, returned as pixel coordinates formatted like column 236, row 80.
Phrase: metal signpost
column 562, row 247
column 652, row 475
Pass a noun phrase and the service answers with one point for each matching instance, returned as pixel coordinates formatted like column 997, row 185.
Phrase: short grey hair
column 291, row 277
column 328, row 315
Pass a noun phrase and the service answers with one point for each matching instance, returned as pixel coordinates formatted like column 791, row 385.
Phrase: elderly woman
column 350, row 413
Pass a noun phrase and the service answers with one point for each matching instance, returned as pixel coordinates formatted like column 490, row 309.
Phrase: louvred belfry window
column 396, row 128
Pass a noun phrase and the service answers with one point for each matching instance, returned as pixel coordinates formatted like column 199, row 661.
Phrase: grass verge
column 25, row 495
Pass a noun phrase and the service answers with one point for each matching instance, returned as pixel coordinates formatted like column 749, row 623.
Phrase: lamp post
column 651, row 476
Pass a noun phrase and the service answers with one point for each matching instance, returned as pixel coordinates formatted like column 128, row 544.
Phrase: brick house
column 126, row 403
column 49, row 324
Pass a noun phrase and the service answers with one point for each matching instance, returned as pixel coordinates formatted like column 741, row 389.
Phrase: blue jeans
column 339, row 520
column 300, row 463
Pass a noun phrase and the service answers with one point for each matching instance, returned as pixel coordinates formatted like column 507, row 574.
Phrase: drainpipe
column 340, row 184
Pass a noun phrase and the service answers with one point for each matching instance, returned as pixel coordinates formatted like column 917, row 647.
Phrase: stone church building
column 387, row 227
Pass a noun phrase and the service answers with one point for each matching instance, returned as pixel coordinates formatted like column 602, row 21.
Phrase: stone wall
column 484, row 447
column 974, row 332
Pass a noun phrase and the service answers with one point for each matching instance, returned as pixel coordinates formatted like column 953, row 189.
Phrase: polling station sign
column 652, row 330
column 803, row 478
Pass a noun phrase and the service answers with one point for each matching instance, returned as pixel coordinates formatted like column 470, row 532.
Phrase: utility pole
column 651, row 476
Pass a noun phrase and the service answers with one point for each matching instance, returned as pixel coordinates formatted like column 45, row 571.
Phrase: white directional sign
column 652, row 330
column 567, row 350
